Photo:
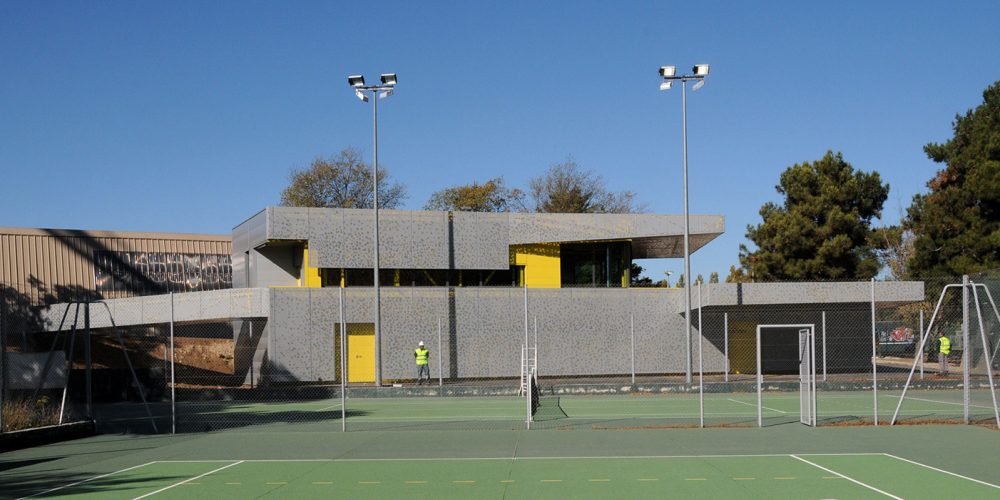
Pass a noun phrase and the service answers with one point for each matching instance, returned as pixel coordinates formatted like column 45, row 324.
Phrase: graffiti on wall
column 143, row 273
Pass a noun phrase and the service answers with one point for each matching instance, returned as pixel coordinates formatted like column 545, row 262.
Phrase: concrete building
column 480, row 281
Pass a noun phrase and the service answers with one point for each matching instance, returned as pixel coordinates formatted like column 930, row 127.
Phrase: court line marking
column 942, row 470
column 188, row 480
column 337, row 407
column 940, row 402
column 588, row 457
column 87, row 480
column 855, row 481
column 750, row 404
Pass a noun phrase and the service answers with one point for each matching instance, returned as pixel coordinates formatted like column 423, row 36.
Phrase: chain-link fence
column 751, row 354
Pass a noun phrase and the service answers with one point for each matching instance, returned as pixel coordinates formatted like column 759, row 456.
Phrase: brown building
column 59, row 265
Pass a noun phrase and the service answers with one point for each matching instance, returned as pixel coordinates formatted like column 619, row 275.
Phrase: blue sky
column 188, row 116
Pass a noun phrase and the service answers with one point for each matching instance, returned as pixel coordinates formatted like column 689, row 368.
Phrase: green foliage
column 823, row 228
column 714, row 277
column 636, row 278
column 342, row 181
column 957, row 224
column 680, row 282
column 490, row 196
column 737, row 275
column 564, row 188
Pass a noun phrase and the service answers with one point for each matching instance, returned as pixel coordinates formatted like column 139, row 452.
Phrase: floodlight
column 361, row 95
column 700, row 70
column 666, row 85
column 388, row 79
column 356, row 81
column 383, row 95
column 668, row 71
column 698, row 85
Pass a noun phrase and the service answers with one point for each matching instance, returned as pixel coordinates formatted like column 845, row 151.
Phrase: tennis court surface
column 781, row 461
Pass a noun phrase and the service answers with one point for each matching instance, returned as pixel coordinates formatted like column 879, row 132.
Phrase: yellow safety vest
column 945, row 345
column 422, row 355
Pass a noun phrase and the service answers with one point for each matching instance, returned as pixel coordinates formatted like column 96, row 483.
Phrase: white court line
column 940, row 402
column 855, row 481
column 944, row 471
column 165, row 488
column 87, row 480
column 750, row 404
column 458, row 459
column 329, row 408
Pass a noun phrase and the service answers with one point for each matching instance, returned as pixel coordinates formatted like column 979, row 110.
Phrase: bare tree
column 564, row 188
column 341, row 181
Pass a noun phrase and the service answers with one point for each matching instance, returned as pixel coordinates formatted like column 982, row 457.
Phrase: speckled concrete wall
column 580, row 331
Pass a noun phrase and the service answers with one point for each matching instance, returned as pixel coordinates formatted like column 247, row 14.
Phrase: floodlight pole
column 687, row 218
column 386, row 88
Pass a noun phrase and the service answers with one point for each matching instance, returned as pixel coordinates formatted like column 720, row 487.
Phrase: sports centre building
column 472, row 285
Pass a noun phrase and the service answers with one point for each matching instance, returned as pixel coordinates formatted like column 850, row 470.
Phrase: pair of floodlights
column 358, row 82
column 669, row 74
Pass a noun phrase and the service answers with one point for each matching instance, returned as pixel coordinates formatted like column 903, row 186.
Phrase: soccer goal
column 807, row 371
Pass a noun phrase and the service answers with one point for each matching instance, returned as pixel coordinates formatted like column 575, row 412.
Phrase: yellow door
column 361, row 352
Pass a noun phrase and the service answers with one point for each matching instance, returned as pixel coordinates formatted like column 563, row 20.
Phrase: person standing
column 944, row 349
column 422, row 356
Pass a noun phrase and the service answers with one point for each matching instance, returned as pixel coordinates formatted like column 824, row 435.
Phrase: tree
column 698, row 280
column 490, row 196
column 823, row 228
column 737, row 275
column 680, row 282
column 957, row 224
column 564, row 188
column 342, row 181
column 894, row 247
column 636, row 278
column 714, row 277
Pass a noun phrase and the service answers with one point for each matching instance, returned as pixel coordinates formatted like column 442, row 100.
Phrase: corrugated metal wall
column 58, row 263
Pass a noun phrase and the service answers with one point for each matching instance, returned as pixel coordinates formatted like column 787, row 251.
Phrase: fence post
column 173, row 385
column 921, row 353
column 631, row 318
column 3, row 352
column 701, row 368
column 824, row 346
column 874, row 355
column 87, row 362
column 440, row 366
column 524, row 364
column 343, row 365
column 965, row 347
column 725, row 342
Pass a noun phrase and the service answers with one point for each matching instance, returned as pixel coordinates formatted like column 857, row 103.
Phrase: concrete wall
column 580, row 331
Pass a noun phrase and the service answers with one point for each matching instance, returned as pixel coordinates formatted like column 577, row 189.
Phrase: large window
column 421, row 277
column 593, row 264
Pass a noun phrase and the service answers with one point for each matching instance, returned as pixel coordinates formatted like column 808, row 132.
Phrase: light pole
column 378, row 92
column 669, row 74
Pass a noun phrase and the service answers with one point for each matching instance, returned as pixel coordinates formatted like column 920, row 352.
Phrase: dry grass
column 24, row 413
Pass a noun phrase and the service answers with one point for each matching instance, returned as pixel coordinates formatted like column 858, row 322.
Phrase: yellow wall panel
column 310, row 275
column 541, row 264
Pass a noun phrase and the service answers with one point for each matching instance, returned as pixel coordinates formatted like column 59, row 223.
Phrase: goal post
column 807, row 371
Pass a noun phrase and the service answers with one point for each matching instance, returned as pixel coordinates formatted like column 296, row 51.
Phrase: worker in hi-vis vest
column 944, row 349
column 422, row 355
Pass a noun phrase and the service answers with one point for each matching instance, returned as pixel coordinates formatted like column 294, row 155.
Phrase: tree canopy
column 565, row 188
column 957, row 224
column 341, row 181
column 490, row 196
column 823, row 228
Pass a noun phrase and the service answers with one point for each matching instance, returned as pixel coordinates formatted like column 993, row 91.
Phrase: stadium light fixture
column 356, row 81
column 381, row 91
column 669, row 75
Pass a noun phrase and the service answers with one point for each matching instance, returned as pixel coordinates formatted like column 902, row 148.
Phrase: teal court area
column 782, row 461
column 556, row 412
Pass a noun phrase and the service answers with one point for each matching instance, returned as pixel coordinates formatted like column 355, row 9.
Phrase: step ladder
column 529, row 365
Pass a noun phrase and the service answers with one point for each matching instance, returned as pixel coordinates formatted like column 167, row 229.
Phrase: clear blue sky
column 188, row 116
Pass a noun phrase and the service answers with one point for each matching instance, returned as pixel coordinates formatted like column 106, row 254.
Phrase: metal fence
column 761, row 354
